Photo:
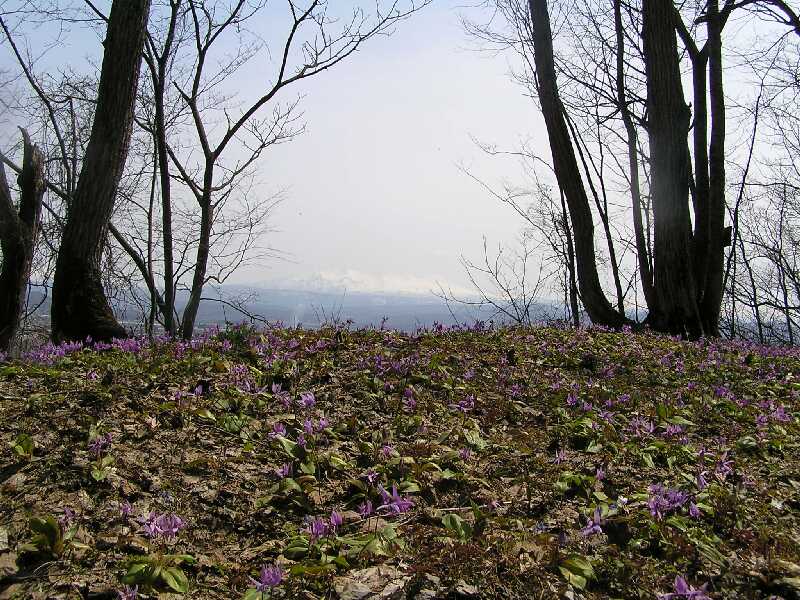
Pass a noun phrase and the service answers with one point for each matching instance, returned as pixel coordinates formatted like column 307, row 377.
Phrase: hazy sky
column 374, row 195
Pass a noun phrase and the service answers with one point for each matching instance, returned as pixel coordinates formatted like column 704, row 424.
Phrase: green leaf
column 473, row 437
column 176, row 579
column 204, row 413
column 577, row 571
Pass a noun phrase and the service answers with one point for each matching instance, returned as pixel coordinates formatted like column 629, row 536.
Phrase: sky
column 374, row 193
column 375, row 197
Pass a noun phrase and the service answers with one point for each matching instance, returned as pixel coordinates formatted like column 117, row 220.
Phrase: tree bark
column 80, row 308
column 18, row 233
column 668, row 128
column 201, row 262
column 713, row 282
column 568, row 174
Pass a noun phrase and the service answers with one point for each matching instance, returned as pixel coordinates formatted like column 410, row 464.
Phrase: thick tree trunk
column 668, row 128
column 713, row 283
column 568, row 174
column 80, row 307
column 18, row 233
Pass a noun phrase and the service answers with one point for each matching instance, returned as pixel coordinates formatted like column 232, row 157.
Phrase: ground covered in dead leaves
column 450, row 463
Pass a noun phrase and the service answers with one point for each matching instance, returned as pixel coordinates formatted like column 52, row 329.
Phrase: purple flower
column 281, row 395
column 371, row 476
column 308, row 427
column 561, row 456
column 465, row 454
column 125, row 509
column 465, row 405
column 128, row 593
column 387, row 451
column 66, row 519
column 724, row 467
column 317, row 528
column 100, row 444
column 409, row 402
column 279, row 429
column 365, row 509
column 779, row 414
column 307, row 399
column 284, row 470
column 323, row 424
column 684, row 590
column 394, row 502
column 301, row 440
column 599, row 474
column 268, row 578
column 663, row 500
column 336, row 520
column 165, row 526
column 593, row 526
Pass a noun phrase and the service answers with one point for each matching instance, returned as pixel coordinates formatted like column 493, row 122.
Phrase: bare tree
column 19, row 229
column 79, row 307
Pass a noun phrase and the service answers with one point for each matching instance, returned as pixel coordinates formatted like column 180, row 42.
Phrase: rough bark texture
column 711, row 301
column 80, row 307
column 18, row 233
column 568, row 174
column 668, row 127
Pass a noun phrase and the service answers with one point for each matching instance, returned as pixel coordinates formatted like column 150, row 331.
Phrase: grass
column 499, row 463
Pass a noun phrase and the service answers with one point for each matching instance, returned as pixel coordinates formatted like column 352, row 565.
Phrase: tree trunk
column 18, row 233
column 80, row 307
column 668, row 127
column 158, row 74
column 645, row 272
column 573, row 285
column 568, row 174
column 203, row 248
column 713, row 283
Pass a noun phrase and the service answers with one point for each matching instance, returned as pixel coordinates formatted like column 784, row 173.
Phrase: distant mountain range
column 312, row 308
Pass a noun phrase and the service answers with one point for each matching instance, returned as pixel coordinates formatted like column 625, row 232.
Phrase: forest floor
column 474, row 463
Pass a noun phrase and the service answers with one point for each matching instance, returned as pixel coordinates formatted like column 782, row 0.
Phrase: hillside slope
column 511, row 463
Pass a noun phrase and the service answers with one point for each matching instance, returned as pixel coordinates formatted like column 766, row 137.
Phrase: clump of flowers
column 664, row 500
column 594, row 525
column 394, row 502
column 164, row 526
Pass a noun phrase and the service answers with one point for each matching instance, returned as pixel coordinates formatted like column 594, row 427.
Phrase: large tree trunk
column 668, row 127
column 713, row 283
column 568, row 174
column 80, row 307
column 18, row 233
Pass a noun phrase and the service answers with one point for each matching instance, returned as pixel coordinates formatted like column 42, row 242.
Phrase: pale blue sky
column 374, row 192
column 374, row 198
